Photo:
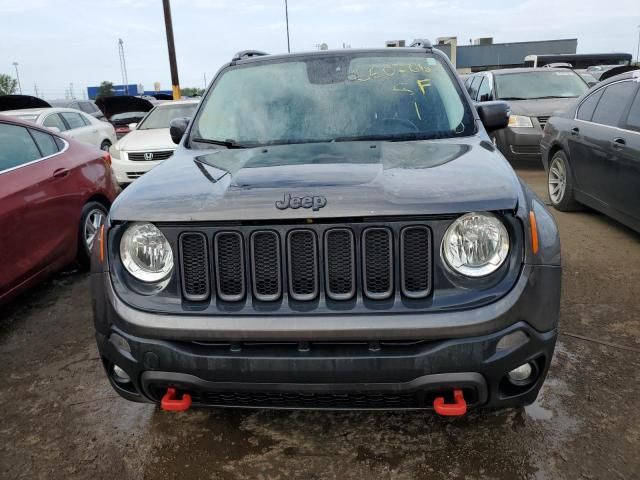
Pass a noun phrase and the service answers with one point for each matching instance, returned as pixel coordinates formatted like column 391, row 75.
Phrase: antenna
column 123, row 66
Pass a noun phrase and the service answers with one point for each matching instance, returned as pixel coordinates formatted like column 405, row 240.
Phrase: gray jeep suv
column 334, row 231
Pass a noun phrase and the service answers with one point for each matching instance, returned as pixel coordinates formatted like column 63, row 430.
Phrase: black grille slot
column 340, row 268
column 377, row 247
column 415, row 258
column 195, row 266
column 266, row 265
column 303, row 264
column 229, row 262
column 543, row 121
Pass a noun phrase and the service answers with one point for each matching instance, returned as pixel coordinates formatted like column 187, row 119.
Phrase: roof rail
column 421, row 43
column 248, row 54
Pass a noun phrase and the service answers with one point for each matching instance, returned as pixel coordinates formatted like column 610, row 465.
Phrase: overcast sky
column 57, row 42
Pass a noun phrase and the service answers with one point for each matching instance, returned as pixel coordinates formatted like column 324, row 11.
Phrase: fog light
column 120, row 342
column 120, row 375
column 521, row 374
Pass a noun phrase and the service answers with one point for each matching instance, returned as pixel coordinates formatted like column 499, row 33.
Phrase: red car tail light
column 107, row 158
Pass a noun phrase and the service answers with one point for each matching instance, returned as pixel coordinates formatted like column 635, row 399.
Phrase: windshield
column 539, row 84
column 160, row 117
column 334, row 98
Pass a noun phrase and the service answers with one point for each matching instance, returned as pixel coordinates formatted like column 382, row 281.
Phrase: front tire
column 560, row 183
column 93, row 216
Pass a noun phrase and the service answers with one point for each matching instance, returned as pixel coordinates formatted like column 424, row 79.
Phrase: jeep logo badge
column 315, row 202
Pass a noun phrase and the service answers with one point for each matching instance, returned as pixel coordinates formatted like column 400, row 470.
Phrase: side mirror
column 177, row 127
column 132, row 126
column 54, row 129
column 494, row 115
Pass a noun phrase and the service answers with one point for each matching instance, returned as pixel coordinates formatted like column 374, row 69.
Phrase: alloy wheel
column 557, row 180
column 92, row 224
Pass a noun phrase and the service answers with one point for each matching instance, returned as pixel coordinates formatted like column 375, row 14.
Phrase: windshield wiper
column 513, row 98
column 229, row 143
column 394, row 137
column 552, row 96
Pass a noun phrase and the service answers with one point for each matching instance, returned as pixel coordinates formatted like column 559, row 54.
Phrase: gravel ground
column 60, row 418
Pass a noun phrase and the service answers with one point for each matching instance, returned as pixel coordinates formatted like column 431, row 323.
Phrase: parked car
column 592, row 152
column 54, row 195
column 123, row 110
column 335, row 230
column 87, row 106
column 534, row 94
column 72, row 123
column 149, row 142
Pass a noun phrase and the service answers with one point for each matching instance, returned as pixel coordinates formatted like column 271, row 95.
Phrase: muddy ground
column 60, row 418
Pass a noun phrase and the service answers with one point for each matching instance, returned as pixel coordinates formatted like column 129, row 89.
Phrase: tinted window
column 74, row 120
column 350, row 96
column 614, row 100
column 55, row 121
column 46, row 142
column 473, row 89
column 539, row 84
column 633, row 120
column 16, row 146
column 586, row 109
column 484, row 89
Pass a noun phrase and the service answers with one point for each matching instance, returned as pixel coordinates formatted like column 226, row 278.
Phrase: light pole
column 15, row 64
column 286, row 16
column 638, row 50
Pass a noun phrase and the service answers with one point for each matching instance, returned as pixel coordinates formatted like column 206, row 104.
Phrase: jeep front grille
column 329, row 263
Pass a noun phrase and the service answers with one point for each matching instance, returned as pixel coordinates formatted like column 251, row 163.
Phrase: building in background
column 483, row 54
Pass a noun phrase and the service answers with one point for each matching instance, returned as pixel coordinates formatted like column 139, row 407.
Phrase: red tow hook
column 459, row 407
column 170, row 403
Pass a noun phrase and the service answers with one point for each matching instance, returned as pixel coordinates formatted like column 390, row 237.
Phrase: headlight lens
column 146, row 253
column 476, row 244
column 520, row 121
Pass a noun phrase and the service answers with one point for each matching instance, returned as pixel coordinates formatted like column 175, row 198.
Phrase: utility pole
column 175, row 82
column 638, row 50
column 123, row 66
column 15, row 64
column 286, row 15
column 71, row 91
column 205, row 80
column 35, row 87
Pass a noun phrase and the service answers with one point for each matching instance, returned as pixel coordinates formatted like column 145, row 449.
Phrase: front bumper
column 519, row 143
column 330, row 375
column 127, row 171
column 397, row 361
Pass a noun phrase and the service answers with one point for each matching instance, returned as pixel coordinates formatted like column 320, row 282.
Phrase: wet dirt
column 60, row 418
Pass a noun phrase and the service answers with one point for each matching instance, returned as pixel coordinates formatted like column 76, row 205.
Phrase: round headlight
column 146, row 253
column 476, row 244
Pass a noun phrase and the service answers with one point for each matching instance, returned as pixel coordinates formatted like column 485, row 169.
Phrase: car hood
column 356, row 179
column 149, row 140
column 544, row 107
column 21, row 102
column 120, row 104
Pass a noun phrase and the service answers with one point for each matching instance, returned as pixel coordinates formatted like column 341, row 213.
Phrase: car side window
column 46, row 143
column 74, row 120
column 633, row 119
column 473, row 89
column 484, row 90
column 17, row 147
column 614, row 100
column 55, row 121
column 586, row 109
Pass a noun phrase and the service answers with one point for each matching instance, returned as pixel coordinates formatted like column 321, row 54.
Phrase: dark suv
column 334, row 231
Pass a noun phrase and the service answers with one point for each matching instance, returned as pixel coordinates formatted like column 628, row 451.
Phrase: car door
column 593, row 157
column 79, row 128
column 627, row 193
column 32, row 204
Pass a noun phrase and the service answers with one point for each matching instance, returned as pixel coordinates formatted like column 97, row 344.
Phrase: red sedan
column 54, row 195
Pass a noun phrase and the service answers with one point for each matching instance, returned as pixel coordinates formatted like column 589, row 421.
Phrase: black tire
column 562, row 199
column 105, row 145
column 89, row 213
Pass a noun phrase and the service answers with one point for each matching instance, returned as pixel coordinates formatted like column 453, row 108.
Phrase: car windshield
column 539, row 84
column 340, row 97
column 127, row 116
column 160, row 117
